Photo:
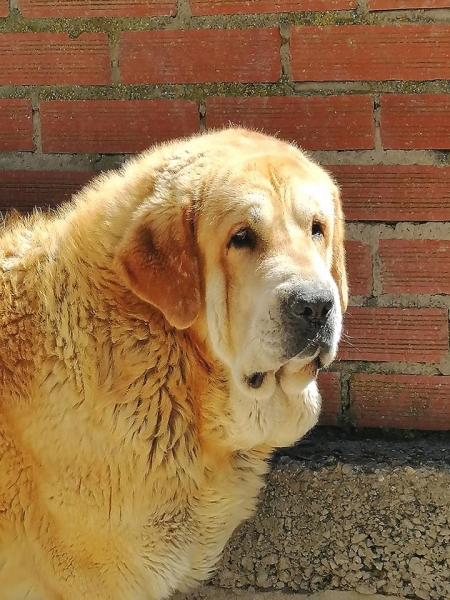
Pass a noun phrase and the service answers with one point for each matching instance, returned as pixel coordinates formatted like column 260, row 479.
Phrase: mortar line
column 113, row 42
column 285, row 51
column 183, row 15
column 344, row 419
column 202, row 114
column 36, row 118
column 363, row 9
column 377, row 123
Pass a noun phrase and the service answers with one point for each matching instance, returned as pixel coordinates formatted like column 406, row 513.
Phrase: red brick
column 395, row 334
column 415, row 266
column 415, row 122
column 359, row 266
column 54, row 58
column 4, row 8
column 96, row 8
column 16, row 125
column 401, row 401
column 24, row 190
column 200, row 56
column 394, row 193
column 233, row 7
column 113, row 126
column 330, row 389
column 370, row 52
column 315, row 122
column 402, row 4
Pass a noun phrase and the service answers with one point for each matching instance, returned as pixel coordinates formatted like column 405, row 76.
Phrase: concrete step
column 213, row 593
column 342, row 519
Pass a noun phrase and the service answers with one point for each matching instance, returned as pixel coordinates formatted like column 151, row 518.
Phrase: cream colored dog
column 159, row 336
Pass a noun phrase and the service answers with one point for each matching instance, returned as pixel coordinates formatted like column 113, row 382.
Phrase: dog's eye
column 244, row 238
column 317, row 229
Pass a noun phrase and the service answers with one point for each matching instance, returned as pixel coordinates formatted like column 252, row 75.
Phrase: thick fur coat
column 159, row 336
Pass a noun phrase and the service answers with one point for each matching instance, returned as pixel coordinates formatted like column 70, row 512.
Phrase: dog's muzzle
column 307, row 312
column 309, row 325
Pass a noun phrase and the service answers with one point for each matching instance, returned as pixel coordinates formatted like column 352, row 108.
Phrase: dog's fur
column 131, row 321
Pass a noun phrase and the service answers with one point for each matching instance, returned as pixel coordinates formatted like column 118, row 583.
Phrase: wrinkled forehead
column 264, row 191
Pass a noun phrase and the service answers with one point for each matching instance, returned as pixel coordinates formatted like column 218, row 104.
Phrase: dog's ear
column 157, row 259
column 338, row 266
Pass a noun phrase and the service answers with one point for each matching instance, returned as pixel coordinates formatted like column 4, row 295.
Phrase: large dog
column 160, row 335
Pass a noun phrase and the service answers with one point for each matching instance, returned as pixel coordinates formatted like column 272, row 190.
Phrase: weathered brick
column 401, row 401
column 233, row 7
column 370, row 52
column 54, row 58
column 315, row 122
column 113, row 126
column 395, row 334
column 359, row 265
column 415, row 266
column 402, row 4
column 16, row 125
column 96, row 8
column 330, row 389
column 4, row 8
column 416, row 121
column 394, row 193
column 200, row 56
column 25, row 190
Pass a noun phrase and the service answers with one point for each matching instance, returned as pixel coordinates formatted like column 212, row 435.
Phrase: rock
column 416, row 566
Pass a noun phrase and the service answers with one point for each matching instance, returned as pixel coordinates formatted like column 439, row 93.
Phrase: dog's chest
column 182, row 542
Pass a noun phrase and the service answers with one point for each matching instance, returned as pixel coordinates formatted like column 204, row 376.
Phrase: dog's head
column 242, row 237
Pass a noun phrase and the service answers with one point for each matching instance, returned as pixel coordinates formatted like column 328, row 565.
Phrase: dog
column 160, row 336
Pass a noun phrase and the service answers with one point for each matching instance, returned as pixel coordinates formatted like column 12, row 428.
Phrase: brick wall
column 361, row 84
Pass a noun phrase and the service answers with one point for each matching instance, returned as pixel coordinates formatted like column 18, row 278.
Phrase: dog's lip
column 314, row 352
column 305, row 357
column 256, row 379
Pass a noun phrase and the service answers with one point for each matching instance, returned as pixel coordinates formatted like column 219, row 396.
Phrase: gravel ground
column 366, row 517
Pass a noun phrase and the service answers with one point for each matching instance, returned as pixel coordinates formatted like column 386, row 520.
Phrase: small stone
column 407, row 523
column 422, row 594
column 391, row 589
column 271, row 559
column 308, row 572
column 247, row 563
column 358, row 538
column 416, row 566
column 285, row 576
column 262, row 578
column 366, row 590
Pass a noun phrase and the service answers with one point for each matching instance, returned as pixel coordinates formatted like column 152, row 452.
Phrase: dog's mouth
column 256, row 380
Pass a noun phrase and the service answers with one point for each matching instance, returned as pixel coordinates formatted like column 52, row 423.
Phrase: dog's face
column 243, row 241
column 267, row 237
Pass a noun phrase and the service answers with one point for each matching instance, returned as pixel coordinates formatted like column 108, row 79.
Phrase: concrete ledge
column 212, row 593
column 341, row 520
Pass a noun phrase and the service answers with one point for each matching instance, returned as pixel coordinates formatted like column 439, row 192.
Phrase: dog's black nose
column 306, row 312
column 309, row 305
